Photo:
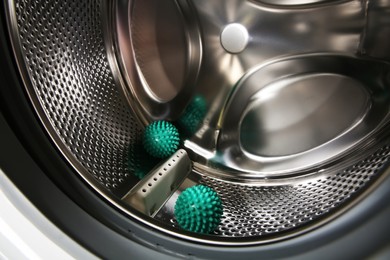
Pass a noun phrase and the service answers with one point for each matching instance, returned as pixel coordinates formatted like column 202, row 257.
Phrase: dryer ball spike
column 161, row 139
column 198, row 209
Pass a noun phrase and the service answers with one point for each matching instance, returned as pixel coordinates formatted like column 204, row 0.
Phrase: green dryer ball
column 193, row 115
column 161, row 139
column 139, row 162
column 198, row 209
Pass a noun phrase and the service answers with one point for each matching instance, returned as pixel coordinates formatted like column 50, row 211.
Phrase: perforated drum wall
column 63, row 46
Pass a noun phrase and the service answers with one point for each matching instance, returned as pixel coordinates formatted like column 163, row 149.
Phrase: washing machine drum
column 282, row 109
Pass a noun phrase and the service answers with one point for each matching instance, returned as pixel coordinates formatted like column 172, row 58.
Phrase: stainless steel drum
column 297, row 93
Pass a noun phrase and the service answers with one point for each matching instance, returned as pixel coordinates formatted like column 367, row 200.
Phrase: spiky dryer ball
column 139, row 161
column 198, row 209
column 161, row 139
column 193, row 115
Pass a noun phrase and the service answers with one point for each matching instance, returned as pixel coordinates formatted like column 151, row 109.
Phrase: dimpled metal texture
column 266, row 210
column 63, row 45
